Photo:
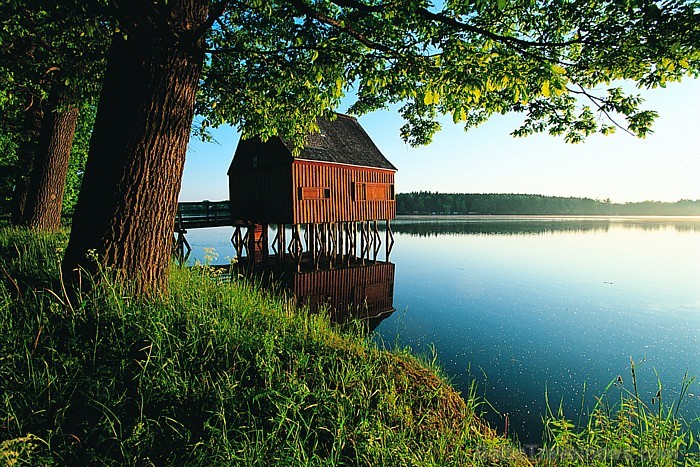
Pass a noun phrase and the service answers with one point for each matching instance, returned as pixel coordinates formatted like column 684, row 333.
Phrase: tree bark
column 27, row 153
column 128, row 200
column 44, row 200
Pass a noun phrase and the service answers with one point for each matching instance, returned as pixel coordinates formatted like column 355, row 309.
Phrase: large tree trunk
column 42, row 210
column 27, row 153
column 127, row 203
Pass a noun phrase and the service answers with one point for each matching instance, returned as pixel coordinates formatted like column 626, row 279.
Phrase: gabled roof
column 342, row 141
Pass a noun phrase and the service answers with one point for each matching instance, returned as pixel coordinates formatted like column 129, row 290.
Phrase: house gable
column 253, row 154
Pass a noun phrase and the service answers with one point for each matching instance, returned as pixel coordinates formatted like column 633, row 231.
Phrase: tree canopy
column 273, row 67
column 273, row 64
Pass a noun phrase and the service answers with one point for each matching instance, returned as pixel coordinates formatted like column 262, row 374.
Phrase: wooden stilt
column 353, row 247
column 181, row 247
column 237, row 241
column 339, row 239
column 364, row 241
column 296, row 247
column 282, row 240
column 324, row 240
column 275, row 242
column 264, row 242
column 389, row 240
column 250, row 242
column 332, row 239
column 377, row 240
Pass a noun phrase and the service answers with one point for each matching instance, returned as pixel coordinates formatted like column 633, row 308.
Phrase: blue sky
column 664, row 167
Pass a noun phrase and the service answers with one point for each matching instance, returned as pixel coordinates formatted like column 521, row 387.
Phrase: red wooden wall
column 326, row 193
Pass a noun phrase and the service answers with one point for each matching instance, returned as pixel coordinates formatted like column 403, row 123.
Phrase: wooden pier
column 198, row 215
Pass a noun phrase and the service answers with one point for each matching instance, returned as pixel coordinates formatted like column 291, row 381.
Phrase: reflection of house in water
column 355, row 291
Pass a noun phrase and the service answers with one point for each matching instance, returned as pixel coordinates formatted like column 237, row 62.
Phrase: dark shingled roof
column 342, row 141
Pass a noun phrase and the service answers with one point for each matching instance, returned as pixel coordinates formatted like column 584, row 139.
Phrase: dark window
column 359, row 191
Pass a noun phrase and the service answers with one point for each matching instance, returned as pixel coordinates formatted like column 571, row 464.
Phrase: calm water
column 529, row 306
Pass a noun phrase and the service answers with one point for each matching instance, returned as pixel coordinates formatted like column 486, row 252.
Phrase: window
column 377, row 192
column 359, row 191
column 312, row 192
column 373, row 191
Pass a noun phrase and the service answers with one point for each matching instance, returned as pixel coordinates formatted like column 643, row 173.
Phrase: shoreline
column 541, row 217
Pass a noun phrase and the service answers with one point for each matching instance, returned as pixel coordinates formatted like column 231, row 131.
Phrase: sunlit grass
column 213, row 374
column 625, row 429
column 223, row 373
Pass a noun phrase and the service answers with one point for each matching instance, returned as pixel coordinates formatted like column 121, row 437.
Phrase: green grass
column 228, row 374
column 624, row 429
column 215, row 374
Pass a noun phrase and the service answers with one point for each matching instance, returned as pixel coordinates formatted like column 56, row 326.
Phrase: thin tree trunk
column 27, row 153
column 48, row 180
column 127, row 203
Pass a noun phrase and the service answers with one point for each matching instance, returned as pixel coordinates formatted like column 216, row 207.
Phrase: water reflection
column 352, row 290
column 535, row 307
column 425, row 226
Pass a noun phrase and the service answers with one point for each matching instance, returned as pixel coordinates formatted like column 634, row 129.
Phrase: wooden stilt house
column 337, row 188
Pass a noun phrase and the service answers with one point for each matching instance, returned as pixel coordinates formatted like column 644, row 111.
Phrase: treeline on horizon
column 426, row 202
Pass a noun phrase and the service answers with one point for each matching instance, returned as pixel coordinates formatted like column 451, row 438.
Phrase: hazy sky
column 664, row 167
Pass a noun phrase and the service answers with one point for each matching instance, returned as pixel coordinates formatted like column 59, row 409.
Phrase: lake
column 536, row 306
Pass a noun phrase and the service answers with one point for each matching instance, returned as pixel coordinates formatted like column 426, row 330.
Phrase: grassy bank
column 213, row 374
column 227, row 374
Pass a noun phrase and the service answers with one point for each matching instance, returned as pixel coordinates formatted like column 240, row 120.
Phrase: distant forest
column 425, row 202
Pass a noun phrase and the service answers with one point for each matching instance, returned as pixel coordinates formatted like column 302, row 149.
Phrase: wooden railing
column 193, row 215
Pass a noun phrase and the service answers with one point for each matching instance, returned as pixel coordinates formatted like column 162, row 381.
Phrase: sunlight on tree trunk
column 45, row 195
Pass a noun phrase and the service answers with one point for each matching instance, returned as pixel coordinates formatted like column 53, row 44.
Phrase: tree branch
column 215, row 13
column 597, row 102
column 456, row 24
column 311, row 13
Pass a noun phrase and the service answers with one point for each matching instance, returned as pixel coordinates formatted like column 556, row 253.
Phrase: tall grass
column 223, row 373
column 214, row 374
column 626, row 428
